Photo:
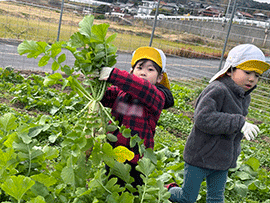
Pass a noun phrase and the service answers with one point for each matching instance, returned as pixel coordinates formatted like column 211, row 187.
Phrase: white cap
column 245, row 57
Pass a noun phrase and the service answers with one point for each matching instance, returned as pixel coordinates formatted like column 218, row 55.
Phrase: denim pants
column 193, row 177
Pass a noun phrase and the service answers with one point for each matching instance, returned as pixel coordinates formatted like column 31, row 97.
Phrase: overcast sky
column 263, row 1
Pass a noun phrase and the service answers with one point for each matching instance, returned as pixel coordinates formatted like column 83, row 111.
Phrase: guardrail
column 207, row 18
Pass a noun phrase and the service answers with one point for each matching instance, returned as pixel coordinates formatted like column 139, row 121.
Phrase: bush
column 100, row 17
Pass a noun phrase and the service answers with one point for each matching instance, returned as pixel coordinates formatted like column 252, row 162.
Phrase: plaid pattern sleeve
column 139, row 88
column 110, row 96
column 138, row 106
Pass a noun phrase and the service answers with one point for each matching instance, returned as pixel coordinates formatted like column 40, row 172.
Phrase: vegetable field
column 53, row 133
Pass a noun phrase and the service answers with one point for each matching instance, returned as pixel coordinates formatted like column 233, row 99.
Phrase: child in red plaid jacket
column 137, row 99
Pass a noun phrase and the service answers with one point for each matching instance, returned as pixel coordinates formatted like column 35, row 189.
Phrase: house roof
column 246, row 14
column 211, row 9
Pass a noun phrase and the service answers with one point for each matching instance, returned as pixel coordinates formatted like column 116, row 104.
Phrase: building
column 147, row 7
column 210, row 11
column 243, row 15
column 171, row 8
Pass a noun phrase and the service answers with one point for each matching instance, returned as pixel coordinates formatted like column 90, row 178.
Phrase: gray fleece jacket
column 214, row 142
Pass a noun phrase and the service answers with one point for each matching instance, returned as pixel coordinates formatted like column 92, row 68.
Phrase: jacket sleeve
column 210, row 118
column 169, row 100
column 141, row 89
column 110, row 96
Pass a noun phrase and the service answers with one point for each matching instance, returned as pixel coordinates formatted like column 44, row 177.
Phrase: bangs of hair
column 157, row 67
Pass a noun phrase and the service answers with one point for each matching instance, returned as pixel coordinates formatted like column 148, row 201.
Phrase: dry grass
column 32, row 23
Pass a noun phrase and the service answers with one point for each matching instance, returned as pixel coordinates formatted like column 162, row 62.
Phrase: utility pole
column 154, row 26
column 228, row 33
column 228, row 8
column 60, row 22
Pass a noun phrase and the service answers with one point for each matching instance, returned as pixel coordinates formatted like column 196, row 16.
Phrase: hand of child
column 105, row 73
column 250, row 130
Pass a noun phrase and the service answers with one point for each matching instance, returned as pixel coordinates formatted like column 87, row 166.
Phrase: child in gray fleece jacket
column 213, row 145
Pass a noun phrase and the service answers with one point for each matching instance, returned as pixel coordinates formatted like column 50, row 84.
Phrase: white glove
column 250, row 130
column 105, row 73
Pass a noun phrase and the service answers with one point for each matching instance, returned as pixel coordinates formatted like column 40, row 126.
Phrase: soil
column 27, row 73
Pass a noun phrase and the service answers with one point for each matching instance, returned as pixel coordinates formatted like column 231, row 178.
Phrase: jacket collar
column 234, row 87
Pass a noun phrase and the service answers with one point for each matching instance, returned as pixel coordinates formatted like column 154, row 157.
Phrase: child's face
column 146, row 70
column 245, row 79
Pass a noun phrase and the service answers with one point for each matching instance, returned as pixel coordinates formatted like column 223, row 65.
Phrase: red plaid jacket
column 136, row 104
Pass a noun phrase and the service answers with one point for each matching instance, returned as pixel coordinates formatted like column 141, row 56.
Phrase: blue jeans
column 193, row 177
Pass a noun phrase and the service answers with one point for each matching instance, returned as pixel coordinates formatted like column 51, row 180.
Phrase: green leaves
column 53, row 79
column 74, row 143
column 95, row 52
column 86, row 26
column 100, row 32
column 95, row 33
column 38, row 199
column 44, row 179
column 77, row 40
column 253, row 163
column 153, row 190
column 145, row 166
column 34, row 49
column 8, row 122
column 61, row 58
column 17, row 186
column 43, row 61
column 122, row 171
column 68, row 175
column 241, row 189
column 125, row 132
column 111, row 39
column 56, row 49
column 248, row 179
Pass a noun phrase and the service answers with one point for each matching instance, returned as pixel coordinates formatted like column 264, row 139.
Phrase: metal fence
column 40, row 21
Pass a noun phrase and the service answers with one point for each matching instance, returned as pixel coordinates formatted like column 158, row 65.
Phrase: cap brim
column 219, row 73
column 251, row 65
column 254, row 65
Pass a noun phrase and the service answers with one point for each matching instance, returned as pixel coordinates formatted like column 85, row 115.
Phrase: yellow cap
column 254, row 65
column 155, row 55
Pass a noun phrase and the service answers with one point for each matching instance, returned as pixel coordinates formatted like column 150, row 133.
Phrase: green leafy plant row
column 39, row 148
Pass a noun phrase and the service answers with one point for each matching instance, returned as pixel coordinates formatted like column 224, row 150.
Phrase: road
column 177, row 67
